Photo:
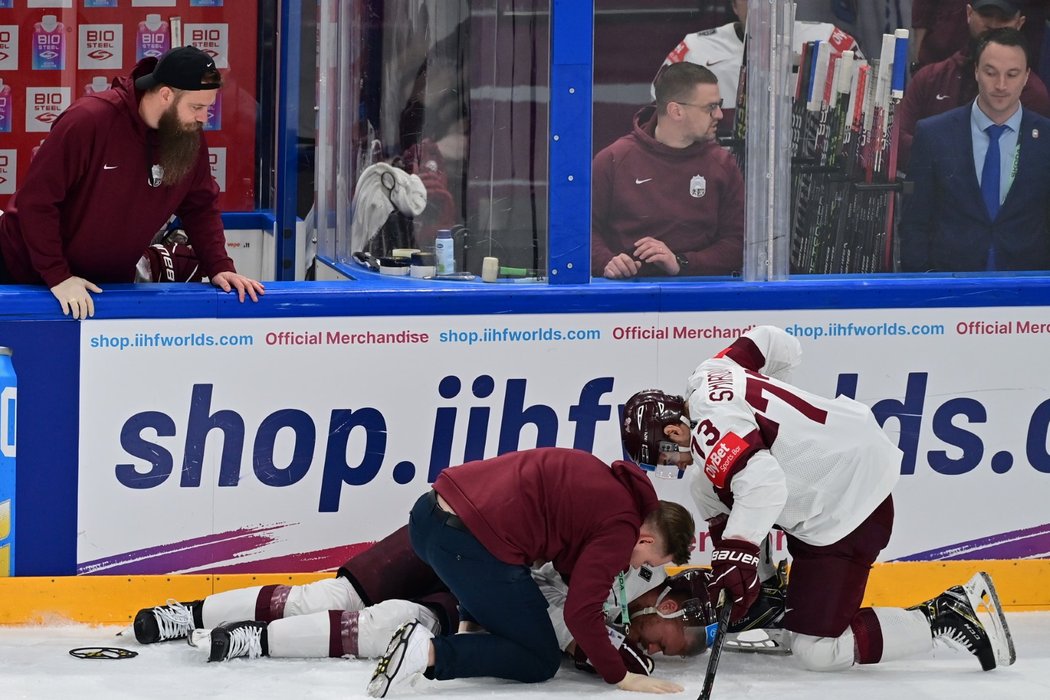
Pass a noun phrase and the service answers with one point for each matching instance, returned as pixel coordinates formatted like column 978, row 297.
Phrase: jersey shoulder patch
column 678, row 55
column 707, row 32
column 723, row 457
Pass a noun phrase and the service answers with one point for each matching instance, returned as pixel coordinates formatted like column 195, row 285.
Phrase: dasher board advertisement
column 264, row 445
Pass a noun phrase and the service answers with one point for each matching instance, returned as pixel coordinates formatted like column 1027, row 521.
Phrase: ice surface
column 35, row 663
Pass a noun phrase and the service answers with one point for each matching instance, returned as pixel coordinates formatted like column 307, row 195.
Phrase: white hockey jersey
column 722, row 52
column 813, row 466
column 635, row 582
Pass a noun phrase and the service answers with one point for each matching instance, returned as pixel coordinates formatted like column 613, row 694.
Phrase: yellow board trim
column 113, row 600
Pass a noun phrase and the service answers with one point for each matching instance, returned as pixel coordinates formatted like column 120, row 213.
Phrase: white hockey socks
column 301, row 636
column 267, row 603
column 904, row 633
column 229, row 606
column 366, row 633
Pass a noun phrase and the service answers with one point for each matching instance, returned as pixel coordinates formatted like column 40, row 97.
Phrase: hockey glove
column 636, row 660
column 734, row 569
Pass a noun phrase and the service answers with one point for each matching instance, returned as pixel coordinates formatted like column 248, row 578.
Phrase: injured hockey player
column 356, row 613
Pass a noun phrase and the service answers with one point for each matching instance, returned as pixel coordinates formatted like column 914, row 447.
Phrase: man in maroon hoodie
column 486, row 522
column 667, row 199
column 114, row 168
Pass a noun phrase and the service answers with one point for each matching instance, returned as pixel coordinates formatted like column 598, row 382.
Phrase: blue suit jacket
column 944, row 224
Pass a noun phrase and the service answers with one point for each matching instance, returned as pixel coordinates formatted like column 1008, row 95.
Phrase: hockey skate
column 404, row 660
column 232, row 640
column 172, row 621
column 970, row 617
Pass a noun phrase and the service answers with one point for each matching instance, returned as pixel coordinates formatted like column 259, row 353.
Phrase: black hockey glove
column 734, row 568
column 636, row 660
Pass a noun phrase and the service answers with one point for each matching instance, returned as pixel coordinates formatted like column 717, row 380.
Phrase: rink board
column 294, row 470
column 109, row 600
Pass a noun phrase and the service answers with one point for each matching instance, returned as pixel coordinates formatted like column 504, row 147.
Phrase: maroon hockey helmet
column 645, row 415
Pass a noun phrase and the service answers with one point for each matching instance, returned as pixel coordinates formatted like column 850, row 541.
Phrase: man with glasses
column 722, row 51
column 667, row 199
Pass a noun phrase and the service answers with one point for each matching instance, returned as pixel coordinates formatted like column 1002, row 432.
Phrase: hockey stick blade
column 982, row 596
column 724, row 612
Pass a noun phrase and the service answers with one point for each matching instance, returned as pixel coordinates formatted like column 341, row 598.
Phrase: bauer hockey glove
column 734, row 569
column 636, row 660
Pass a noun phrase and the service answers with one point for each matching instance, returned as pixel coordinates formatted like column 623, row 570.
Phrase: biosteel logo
column 100, row 46
column 43, row 105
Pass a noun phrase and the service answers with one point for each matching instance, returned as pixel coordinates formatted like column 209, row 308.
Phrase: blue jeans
column 502, row 598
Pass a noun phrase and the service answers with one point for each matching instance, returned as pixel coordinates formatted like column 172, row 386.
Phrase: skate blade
column 985, row 601
column 758, row 642
column 199, row 639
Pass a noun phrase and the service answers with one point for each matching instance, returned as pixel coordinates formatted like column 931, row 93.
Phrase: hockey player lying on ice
column 769, row 454
column 375, row 592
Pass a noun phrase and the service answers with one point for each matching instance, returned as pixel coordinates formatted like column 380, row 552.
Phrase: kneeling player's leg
column 825, row 589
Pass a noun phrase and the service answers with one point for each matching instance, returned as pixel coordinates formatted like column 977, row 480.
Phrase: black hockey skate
column 954, row 618
column 172, row 621
column 232, row 640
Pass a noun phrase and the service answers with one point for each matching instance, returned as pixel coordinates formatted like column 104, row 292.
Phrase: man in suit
column 981, row 175
column 944, row 85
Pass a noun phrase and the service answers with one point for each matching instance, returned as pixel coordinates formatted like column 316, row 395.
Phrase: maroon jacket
column 690, row 198
column 942, row 86
column 86, row 207
column 562, row 506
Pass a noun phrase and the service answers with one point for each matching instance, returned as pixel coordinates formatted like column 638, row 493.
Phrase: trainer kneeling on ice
column 772, row 455
column 486, row 522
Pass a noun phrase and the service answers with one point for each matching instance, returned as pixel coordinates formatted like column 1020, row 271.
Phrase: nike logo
column 109, row 167
column 641, row 182
column 942, row 97
column 721, row 60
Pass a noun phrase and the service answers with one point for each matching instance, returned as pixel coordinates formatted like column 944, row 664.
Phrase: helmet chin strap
column 655, row 608
column 690, row 612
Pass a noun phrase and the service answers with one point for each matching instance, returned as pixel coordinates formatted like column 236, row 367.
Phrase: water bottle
column 8, row 411
column 445, row 252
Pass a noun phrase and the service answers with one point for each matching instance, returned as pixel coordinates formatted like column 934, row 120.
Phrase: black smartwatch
column 683, row 262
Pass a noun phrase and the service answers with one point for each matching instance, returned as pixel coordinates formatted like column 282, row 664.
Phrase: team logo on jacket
column 698, row 186
column 723, row 457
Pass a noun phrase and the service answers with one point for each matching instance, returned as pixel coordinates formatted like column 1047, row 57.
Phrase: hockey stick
column 725, row 609
column 900, row 62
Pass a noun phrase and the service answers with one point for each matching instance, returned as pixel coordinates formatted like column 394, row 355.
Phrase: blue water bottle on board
column 8, row 411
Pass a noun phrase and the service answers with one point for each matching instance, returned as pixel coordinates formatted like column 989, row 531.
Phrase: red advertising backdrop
column 55, row 51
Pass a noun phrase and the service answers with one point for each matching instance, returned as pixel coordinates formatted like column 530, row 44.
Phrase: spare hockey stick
column 725, row 608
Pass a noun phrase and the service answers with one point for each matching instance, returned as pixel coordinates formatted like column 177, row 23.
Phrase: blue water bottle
column 8, row 411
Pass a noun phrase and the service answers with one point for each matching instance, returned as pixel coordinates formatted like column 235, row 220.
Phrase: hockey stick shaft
column 724, row 612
